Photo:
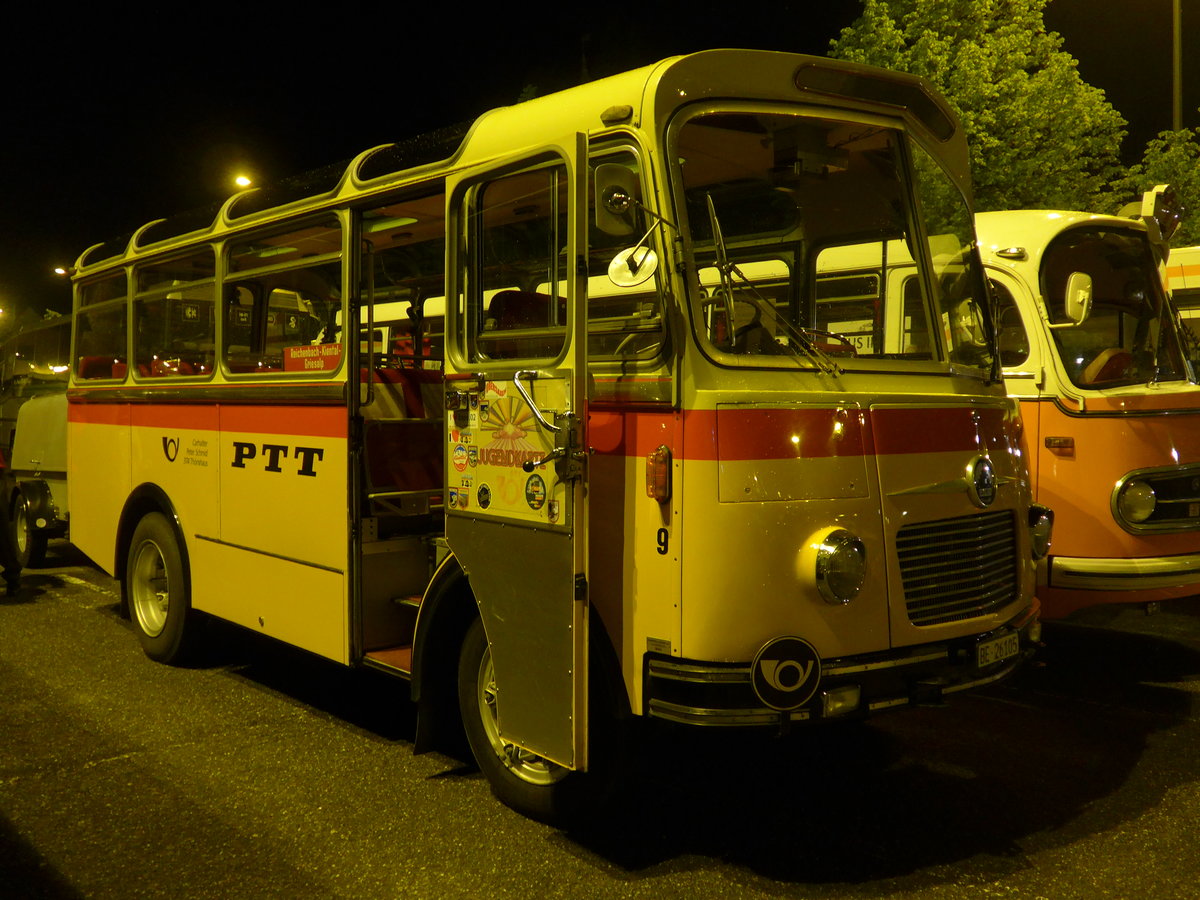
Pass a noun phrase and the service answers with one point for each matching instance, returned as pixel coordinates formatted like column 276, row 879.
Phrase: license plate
column 997, row 649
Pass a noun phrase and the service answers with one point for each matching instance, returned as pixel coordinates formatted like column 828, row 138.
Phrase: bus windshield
column 1129, row 336
column 804, row 235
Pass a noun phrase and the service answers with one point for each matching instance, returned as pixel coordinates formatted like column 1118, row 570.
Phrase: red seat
column 100, row 367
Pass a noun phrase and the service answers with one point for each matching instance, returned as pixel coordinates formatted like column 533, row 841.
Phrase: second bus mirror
column 1077, row 301
column 617, row 199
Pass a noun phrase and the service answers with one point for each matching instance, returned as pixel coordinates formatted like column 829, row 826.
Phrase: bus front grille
column 957, row 569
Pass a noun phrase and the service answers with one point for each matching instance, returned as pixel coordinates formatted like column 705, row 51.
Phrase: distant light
column 243, row 181
column 61, row 270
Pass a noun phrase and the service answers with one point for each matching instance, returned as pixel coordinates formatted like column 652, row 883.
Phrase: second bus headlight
column 841, row 566
column 1136, row 502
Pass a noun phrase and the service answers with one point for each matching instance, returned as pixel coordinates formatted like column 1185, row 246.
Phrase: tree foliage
column 1171, row 158
column 1040, row 137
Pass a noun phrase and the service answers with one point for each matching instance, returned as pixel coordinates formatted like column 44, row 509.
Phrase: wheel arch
column 145, row 498
column 447, row 611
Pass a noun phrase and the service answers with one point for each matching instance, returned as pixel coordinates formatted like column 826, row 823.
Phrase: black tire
column 30, row 545
column 531, row 785
column 157, row 590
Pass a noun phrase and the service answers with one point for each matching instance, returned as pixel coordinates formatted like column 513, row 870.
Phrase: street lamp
column 1176, row 67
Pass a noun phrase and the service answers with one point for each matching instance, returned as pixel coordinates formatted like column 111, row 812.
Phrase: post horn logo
column 786, row 672
column 170, row 448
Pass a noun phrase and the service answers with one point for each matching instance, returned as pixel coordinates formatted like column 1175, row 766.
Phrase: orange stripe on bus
column 760, row 433
column 318, row 421
column 933, row 430
column 742, row 433
column 310, row 421
column 98, row 414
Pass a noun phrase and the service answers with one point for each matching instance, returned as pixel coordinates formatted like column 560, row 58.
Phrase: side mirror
column 617, row 199
column 1077, row 300
column 633, row 266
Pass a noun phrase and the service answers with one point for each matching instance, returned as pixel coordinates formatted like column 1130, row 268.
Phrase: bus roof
column 1032, row 229
column 641, row 99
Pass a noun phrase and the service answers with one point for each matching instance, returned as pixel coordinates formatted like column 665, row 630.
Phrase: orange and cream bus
column 503, row 412
column 1091, row 348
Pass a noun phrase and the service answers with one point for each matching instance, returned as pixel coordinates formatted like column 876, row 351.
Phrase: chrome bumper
column 1086, row 574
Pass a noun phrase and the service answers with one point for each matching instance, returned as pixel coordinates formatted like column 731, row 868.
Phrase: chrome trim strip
column 291, row 559
column 887, row 704
column 690, row 715
column 1084, row 413
column 674, row 671
column 996, row 676
column 885, row 664
column 665, row 668
column 1083, row 573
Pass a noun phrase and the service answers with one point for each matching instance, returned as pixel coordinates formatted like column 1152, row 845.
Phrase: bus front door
column 516, row 380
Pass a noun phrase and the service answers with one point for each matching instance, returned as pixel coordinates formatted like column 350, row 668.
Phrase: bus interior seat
column 1110, row 364
column 514, row 310
column 409, row 393
column 100, row 367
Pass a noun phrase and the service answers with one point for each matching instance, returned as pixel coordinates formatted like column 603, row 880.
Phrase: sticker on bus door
column 497, row 462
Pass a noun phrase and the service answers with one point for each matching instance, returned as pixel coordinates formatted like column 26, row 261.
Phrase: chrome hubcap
column 149, row 589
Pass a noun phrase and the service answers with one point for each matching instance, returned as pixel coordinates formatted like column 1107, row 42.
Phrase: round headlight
column 1136, row 501
column 841, row 566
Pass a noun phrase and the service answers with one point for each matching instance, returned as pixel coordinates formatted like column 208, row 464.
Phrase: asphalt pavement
column 265, row 772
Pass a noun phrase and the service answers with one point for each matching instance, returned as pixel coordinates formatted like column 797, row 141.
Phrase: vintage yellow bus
column 513, row 413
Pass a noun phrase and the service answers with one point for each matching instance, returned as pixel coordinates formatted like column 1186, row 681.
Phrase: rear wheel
column 30, row 544
column 528, row 783
column 157, row 589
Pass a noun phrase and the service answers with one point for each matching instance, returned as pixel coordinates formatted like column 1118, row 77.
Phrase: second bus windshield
column 1128, row 336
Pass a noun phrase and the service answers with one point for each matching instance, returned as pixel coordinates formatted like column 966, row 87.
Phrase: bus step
column 394, row 659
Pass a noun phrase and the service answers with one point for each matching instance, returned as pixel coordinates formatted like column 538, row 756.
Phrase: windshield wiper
column 727, row 269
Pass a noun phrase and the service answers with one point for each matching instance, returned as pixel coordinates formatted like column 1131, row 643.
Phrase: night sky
column 111, row 120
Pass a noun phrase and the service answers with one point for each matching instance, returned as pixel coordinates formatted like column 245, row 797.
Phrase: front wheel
column 157, row 590
column 528, row 783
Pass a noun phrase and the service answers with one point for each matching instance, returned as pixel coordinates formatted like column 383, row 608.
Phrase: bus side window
column 282, row 302
column 518, row 237
column 174, row 329
column 101, row 330
column 1014, row 342
column 625, row 321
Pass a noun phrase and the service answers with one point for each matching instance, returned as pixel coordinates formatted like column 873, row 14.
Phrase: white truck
column 38, row 476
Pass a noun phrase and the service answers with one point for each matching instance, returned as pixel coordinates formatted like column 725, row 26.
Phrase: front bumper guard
column 720, row 694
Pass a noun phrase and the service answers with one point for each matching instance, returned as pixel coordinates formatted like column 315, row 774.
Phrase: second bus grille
column 958, row 568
